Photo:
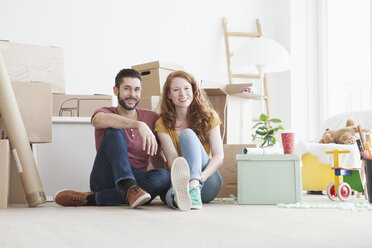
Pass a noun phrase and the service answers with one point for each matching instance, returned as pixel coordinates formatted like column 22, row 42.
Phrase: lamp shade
column 268, row 55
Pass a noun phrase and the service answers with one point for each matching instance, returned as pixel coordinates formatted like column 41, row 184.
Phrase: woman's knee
column 187, row 133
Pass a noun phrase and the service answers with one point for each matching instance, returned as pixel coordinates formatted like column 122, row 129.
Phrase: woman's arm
column 169, row 150
column 217, row 153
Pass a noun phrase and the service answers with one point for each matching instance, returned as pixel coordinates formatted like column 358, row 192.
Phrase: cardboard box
column 35, row 104
column 79, row 105
column 235, row 113
column 228, row 169
column 154, row 75
column 11, row 189
column 4, row 172
column 269, row 179
column 150, row 102
column 28, row 63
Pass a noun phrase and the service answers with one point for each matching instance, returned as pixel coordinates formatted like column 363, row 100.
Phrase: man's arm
column 106, row 120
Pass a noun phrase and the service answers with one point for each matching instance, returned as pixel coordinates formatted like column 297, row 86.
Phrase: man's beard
column 125, row 106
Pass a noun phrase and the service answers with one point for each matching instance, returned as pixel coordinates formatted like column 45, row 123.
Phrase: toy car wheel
column 344, row 191
column 331, row 192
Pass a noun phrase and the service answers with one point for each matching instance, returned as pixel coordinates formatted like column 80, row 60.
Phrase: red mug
column 288, row 141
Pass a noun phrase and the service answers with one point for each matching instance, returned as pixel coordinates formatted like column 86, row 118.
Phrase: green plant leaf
column 263, row 143
column 260, row 133
column 280, row 128
column 257, row 124
column 263, row 117
column 274, row 140
column 275, row 120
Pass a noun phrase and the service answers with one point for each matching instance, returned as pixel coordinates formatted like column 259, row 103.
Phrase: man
column 124, row 143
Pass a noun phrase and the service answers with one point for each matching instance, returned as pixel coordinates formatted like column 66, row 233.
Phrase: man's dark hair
column 126, row 73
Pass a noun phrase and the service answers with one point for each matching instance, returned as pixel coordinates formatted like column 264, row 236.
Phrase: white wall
column 308, row 90
column 101, row 37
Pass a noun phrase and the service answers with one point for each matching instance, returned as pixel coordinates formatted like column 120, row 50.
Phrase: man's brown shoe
column 70, row 198
column 137, row 196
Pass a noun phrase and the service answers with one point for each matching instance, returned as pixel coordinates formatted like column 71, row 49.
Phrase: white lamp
column 266, row 54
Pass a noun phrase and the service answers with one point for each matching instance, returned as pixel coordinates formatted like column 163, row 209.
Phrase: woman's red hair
column 199, row 112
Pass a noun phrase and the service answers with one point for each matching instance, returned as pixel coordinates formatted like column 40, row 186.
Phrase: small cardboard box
column 79, row 105
column 4, row 172
column 28, row 63
column 154, row 75
column 235, row 112
column 35, row 104
column 269, row 179
column 150, row 102
column 228, row 169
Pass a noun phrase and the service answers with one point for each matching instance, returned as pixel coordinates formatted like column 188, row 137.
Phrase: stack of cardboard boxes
column 154, row 75
column 37, row 75
column 235, row 112
column 34, row 71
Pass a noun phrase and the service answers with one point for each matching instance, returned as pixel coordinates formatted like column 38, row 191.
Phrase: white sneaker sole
column 180, row 176
column 141, row 200
column 193, row 207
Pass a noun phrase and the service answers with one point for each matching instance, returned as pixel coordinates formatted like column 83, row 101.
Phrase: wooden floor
column 219, row 224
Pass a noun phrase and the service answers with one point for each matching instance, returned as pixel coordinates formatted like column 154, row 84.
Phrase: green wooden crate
column 269, row 179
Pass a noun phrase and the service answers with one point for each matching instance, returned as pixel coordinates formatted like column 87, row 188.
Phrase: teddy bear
column 344, row 135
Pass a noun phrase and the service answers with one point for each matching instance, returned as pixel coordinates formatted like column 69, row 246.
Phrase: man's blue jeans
column 112, row 165
column 193, row 151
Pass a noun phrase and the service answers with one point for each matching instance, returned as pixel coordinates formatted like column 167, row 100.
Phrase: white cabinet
column 66, row 163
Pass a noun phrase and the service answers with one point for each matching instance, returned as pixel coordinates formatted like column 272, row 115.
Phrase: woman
column 189, row 132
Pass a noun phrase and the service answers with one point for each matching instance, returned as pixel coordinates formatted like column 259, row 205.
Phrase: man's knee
column 113, row 131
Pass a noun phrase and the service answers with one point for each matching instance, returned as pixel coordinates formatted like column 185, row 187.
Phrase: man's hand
column 148, row 138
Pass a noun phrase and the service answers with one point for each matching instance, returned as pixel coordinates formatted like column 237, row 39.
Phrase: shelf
column 250, row 96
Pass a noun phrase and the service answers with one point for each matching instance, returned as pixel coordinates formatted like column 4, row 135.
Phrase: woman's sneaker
column 180, row 176
column 195, row 195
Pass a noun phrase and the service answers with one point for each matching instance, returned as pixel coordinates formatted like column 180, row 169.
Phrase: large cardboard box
column 79, row 105
column 154, row 75
column 234, row 110
column 228, row 169
column 269, row 179
column 4, row 172
column 28, row 63
column 35, row 104
column 150, row 102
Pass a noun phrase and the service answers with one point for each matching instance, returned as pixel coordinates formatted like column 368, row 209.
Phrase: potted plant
column 266, row 132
